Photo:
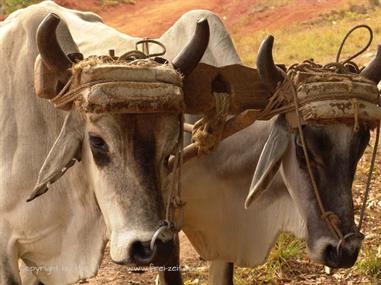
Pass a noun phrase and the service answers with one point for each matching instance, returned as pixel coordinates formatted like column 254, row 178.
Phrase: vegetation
column 115, row 2
column 318, row 38
column 11, row 5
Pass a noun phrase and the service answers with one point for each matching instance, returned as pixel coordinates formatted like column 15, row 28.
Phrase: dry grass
column 318, row 38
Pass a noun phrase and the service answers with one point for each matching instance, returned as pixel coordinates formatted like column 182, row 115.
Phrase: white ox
column 63, row 233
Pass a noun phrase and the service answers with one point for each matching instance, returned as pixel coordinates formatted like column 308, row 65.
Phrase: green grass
column 369, row 263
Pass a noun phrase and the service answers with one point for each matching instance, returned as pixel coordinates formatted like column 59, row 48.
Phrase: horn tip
column 203, row 25
column 270, row 37
column 247, row 203
column 268, row 42
column 52, row 18
column 54, row 15
column 202, row 21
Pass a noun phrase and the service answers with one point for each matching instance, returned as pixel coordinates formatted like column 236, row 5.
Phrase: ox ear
column 270, row 159
column 64, row 153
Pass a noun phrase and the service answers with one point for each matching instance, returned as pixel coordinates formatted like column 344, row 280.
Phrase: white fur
column 64, row 229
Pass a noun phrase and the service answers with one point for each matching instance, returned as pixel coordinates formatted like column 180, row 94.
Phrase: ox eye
column 97, row 143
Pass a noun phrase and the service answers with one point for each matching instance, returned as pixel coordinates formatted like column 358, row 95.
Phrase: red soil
column 150, row 18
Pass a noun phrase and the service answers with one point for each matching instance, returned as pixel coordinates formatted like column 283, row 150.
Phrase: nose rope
column 331, row 218
column 174, row 196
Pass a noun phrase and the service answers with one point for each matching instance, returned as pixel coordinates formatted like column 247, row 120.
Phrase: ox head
column 334, row 150
column 125, row 154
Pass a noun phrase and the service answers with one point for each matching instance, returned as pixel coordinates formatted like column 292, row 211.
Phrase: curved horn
column 192, row 53
column 373, row 69
column 50, row 50
column 268, row 72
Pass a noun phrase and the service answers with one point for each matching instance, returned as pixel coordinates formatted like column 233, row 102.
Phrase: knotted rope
column 207, row 132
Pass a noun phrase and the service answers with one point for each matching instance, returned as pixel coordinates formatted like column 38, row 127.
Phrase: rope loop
column 349, row 59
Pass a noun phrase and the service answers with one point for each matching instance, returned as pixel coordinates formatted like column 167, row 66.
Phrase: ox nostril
column 142, row 254
column 331, row 256
column 344, row 255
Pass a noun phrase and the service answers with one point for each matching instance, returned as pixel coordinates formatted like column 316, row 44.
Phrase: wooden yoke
column 248, row 98
column 246, row 89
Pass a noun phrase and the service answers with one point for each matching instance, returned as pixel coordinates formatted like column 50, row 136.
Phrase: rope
column 330, row 217
column 349, row 59
column 207, row 132
column 174, row 196
column 367, row 189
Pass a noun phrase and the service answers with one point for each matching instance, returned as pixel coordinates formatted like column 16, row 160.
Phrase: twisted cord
column 367, row 189
column 349, row 59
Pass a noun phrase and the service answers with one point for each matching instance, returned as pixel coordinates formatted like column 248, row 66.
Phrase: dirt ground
column 111, row 273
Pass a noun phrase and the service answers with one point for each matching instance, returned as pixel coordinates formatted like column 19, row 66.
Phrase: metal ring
column 165, row 225
column 345, row 238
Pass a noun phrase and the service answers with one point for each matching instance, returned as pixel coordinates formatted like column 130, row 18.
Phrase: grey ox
column 114, row 192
